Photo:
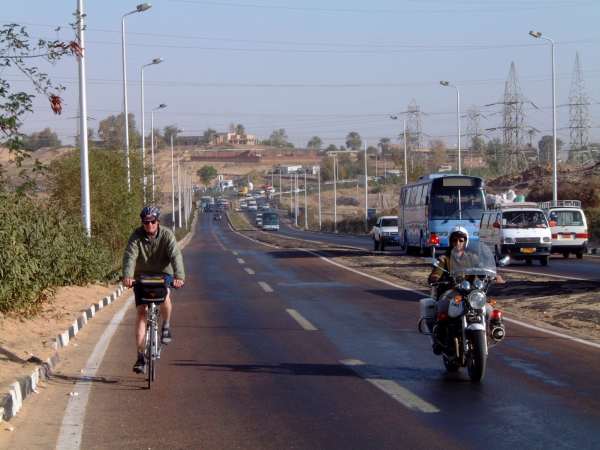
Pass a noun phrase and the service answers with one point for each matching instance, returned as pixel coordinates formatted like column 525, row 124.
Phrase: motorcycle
column 471, row 326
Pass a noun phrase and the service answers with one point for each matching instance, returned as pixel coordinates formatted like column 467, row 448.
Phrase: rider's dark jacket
column 160, row 255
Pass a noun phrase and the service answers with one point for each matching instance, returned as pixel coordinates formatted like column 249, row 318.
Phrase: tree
column 170, row 131
column 207, row 174
column 331, row 148
column 353, row 140
column 240, row 130
column 208, row 135
column 384, row 144
column 438, row 155
column 546, row 145
column 315, row 143
column 112, row 131
column 44, row 138
column 279, row 138
column 18, row 51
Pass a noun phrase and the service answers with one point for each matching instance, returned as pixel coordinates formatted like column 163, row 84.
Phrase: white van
column 519, row 230
column 568, row 226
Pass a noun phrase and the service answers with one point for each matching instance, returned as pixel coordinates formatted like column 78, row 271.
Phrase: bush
column 349, row 201
column 353, row 225
column 43, row 248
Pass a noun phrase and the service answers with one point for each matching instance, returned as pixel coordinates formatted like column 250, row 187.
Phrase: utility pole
column 179, row 192
column 335, row 193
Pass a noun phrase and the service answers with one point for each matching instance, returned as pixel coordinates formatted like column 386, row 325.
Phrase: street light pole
column 405, row 154
column 335, row 193
column 447, row 84
column 139, row 8
column 83, row 137
column 538, row 35
column 154, row 61
column 159, row 107
column 172, row 183
column 305, row 202
column 366, row 187
column 319, row 183
column 179, row 192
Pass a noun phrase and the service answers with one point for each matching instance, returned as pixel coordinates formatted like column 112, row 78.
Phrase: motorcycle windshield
column 477, row 259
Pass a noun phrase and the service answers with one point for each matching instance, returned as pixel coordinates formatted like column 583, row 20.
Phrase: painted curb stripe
column 12, row 402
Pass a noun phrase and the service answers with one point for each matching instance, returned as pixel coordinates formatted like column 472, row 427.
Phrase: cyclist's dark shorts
column 137, row 289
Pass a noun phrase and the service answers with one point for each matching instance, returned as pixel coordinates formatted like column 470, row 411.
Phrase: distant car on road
column 385, row 232
column 568, row 226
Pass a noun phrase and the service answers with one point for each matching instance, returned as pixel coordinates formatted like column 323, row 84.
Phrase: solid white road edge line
column 304, row 323
column 391, row 388
column 553, row 333
column 71, row 429
column 249, row 271
column 389, row 283
column 549, row 275
column 265, row 287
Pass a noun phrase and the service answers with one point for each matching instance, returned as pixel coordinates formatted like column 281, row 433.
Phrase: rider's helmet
column 150, row 212
column 459, row 231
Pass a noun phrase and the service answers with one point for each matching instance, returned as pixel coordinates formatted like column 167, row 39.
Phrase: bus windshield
column 270, row 219
column 453, row 203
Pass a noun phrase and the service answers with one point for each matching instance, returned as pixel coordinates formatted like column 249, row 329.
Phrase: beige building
column 233, row 139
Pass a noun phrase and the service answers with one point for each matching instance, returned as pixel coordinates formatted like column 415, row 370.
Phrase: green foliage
column 44, row 138
column 315, row 142
column 112, row 131
column 43, row 248
column 278, row 138
column 546, row 147
column 207, row 174
column 353, row 140
column 114, row 211
column 170, row 131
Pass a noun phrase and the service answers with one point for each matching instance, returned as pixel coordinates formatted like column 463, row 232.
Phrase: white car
column 568, row 226
column 385, row 232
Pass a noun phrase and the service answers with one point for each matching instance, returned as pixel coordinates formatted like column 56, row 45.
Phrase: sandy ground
column 570, row 307
column 25, row 341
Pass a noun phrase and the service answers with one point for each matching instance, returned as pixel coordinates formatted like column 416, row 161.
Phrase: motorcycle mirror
column 504, row 261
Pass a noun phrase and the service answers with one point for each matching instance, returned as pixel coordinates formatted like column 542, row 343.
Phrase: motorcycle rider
column 459, row 240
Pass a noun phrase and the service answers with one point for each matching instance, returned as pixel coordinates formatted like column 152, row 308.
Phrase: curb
column 12, row 402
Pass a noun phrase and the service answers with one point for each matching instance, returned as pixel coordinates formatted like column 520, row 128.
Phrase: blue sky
column 319, row 68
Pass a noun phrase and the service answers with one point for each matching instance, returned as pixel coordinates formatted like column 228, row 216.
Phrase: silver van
column 569, row 227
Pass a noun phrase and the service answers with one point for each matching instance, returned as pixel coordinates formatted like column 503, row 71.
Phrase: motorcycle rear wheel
column 477, row 357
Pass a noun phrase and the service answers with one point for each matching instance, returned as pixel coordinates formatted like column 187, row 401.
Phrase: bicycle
column 153, row 293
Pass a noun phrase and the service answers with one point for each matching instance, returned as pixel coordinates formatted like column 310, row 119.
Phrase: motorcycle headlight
column 476, row 299
column 478, row 284
column 465, row 285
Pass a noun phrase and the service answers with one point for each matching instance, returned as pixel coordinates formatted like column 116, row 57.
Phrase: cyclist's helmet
column 459, row 231
column 150, row 212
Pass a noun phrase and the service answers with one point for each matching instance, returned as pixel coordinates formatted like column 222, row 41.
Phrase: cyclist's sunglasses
column 147, row 222
column 458, row 239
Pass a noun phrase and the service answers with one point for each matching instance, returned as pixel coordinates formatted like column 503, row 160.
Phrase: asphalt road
column 279, row 349
column 587, row 268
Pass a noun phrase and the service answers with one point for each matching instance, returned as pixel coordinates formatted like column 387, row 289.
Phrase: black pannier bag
column 151, row 289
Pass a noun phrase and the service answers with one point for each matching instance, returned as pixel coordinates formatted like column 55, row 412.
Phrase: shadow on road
column 336, row 370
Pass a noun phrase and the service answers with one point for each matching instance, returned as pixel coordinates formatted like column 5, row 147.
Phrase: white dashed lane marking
column 304, row 323
column 241, row 261
column 265, row 286
column 390, row 387
column 249, row 270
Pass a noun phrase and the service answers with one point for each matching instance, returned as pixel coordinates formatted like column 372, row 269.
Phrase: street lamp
column 447, row 84
column 139, row 8
column 158, row 108
column 538, row 35
column 153, row 62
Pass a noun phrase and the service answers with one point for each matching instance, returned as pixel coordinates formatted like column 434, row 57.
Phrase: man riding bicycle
column 152, row 250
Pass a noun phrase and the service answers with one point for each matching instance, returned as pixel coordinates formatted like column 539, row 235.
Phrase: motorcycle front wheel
column 477, row 358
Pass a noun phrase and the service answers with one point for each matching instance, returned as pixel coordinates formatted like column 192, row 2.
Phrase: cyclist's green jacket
column 160, row 255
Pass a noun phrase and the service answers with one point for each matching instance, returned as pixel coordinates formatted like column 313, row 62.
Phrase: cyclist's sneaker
column 166, row 335
column 140, row 364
